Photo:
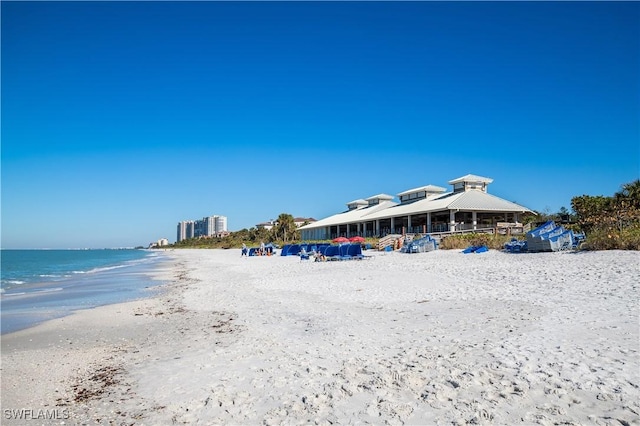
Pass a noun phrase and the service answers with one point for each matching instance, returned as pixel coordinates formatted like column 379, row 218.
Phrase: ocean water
column 38, row 285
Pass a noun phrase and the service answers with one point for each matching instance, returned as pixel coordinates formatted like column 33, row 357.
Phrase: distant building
column 162, row 242
column 186, row 230
column 299, row 221
column 266, row 225
column 211, row 226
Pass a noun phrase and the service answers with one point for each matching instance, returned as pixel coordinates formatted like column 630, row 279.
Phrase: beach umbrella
column 356, row 239
column 340, row 240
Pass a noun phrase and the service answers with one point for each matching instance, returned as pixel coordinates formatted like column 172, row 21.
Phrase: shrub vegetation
column 462, row 241
column 610, row 222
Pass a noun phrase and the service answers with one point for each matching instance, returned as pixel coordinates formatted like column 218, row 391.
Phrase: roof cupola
column 470, row 182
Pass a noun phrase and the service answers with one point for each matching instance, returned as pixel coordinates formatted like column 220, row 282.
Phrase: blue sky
column 120, row 119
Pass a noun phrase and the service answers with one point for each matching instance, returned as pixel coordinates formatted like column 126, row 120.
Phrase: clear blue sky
column 120, row 119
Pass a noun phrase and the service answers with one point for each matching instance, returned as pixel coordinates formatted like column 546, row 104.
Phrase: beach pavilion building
column 427, row 209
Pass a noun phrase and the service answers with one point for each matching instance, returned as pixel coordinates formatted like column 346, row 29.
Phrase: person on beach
column 320, row 257
column 262, row 253
column 244, row 250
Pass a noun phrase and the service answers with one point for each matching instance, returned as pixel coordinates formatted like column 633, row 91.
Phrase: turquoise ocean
column 38, row 285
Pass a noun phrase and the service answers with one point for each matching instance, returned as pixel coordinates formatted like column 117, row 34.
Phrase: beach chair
column 355, row 252
column 425, row 244
column 332, row 253
column 343, row 252
column 304, row 255
column 542, row 229
column 294, row 250
column 561, row 242
column 545, row 239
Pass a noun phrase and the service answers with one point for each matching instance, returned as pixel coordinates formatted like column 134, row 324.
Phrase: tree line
column 608, row 222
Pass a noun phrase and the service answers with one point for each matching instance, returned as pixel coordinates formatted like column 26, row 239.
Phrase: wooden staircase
column 389, row 241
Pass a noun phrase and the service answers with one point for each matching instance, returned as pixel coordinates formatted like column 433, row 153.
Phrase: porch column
column 358, row 229
column 393, row 225
column 377, row 227
column 348, row 226
column 474, row 219
column 429, row 228
column 409, row 224
column 452, row 220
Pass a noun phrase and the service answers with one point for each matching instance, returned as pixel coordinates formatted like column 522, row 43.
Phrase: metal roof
column 428, row 188
column 470, row 178
column 469, row 200
column 381, row 197
column 482, row 201
column 472, row 200
column 351, row 216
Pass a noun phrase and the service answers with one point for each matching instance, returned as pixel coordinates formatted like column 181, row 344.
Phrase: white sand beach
column 423, row 339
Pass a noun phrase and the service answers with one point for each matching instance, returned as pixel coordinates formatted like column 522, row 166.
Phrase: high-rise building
column 185, row 230
column 207, row 227
column 221, row 224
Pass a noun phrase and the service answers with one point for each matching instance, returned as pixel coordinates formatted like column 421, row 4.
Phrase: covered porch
column 424, row 223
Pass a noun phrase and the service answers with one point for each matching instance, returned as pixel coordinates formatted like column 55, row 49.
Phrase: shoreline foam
column 434, row 338
column 38, row 301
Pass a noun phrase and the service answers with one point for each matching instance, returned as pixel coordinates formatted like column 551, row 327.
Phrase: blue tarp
column 516, row 246
column 475, row 249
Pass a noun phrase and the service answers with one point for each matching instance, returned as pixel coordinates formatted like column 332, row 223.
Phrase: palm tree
column 285, row 228
column 630, row 192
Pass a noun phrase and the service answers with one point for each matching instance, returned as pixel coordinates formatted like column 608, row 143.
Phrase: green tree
column 259, row 234
column 611, row 222
column 285, row 229
column 592, row 211
column 626, row 205
column 630, row 193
